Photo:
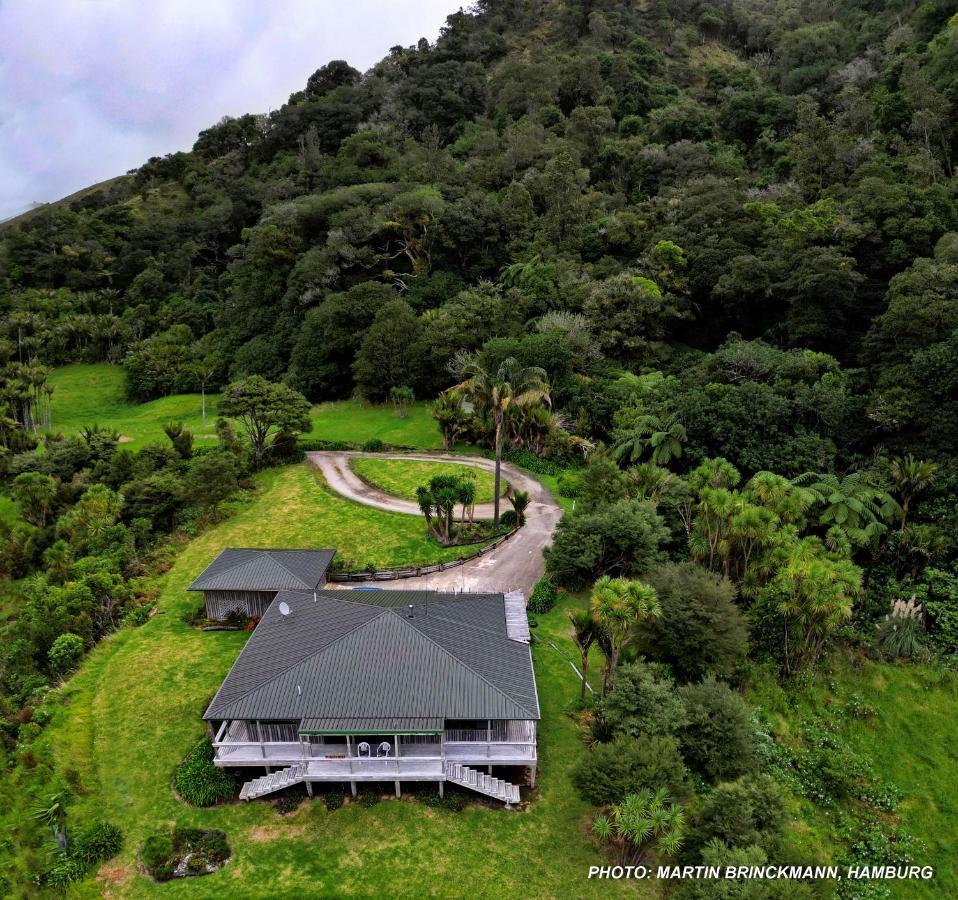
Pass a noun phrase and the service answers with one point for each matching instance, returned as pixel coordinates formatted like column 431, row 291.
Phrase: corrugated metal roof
column 240, row 569
column 363, row 655
column 371, row 726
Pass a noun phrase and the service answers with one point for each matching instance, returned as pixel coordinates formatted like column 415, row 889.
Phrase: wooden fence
column 416, row 571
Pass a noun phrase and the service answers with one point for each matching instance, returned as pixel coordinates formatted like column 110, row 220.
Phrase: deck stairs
column 481, row 782
column 275, row 781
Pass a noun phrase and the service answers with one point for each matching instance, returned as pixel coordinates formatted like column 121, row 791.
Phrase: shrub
column 139, row 615
column 718, row 740
column 749, row 811
column 373, row 446
column 290, row 799
column 97, row 842
column 621, row 539
column 642, row 702
column 65, row 653
column 64, row 871
column 508, row 518
column 629, row 765
column 543, row 596
column 157, row 856
column 701, row 630
column 332, row 801
column 199, row 782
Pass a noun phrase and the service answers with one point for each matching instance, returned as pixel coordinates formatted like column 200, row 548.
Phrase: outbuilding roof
column 380, row 656
column 238, row 569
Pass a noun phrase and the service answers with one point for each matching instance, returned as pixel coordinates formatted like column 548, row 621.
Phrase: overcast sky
column 92, row 88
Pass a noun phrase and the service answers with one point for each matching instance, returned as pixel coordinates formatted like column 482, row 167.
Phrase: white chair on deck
column 363, row 749
column 384, row 749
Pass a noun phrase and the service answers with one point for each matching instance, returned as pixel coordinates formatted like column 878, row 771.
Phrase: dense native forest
column 722, row 235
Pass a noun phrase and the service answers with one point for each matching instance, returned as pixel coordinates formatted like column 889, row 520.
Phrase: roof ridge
column 272, row 555
column 289, row 668
column 461, row 662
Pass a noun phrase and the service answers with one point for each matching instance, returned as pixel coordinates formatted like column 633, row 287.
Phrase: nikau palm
column 509, row 387
column 909, row 477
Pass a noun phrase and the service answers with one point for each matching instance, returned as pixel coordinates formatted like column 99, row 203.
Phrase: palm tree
column 642, row 822
column 619, row 604
column 510, row 386
column 467, row 496
column 450, row 416
column 52, row 811
column 664, row 437
column 909, row 477
column 519, row 501
column 584, row 634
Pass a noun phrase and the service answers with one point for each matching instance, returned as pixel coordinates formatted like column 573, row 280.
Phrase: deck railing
column 235, row 742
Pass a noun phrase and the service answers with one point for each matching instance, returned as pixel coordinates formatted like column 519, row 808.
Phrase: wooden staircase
column 481, row 782
column 275, row 781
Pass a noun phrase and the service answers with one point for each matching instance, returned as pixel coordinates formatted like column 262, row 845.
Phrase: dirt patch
column 263, row 834
column 124, row 439
column 115, row 874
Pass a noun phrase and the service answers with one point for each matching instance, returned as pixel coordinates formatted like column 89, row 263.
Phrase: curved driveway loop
column 515, row 566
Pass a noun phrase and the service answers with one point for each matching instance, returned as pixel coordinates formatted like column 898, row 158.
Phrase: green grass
column 133, row 710
column 94, row 394
column 356, row 422
column 401, row 477
column 910, row 742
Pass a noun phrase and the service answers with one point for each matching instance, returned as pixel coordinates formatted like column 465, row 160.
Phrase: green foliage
column 642, row 703
column 199, row 782
column 750, row 811
column 97, row 842
column 267, row 412
column 611, row 771
column 543, row 597
column 718, row 739
column 65, row 653
column 643, row 821
column 620, row 539
column 701, row 630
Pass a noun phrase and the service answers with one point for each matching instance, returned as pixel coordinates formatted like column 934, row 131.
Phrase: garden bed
column 184, row 853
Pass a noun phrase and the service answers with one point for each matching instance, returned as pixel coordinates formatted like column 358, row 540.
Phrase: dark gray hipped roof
column 365, row 655
column 265, row 570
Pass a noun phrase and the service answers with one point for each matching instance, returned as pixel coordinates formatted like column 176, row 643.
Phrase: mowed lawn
column 911, row 741
column 356, row 422
column 401, row 477
column 133, row 710
column 95, row 394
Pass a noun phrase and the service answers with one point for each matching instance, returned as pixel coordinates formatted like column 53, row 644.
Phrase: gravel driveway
column 515, row 566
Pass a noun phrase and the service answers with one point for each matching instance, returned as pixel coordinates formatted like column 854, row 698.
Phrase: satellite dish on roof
column 284, row 608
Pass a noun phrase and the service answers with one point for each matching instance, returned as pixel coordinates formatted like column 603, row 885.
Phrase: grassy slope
column 94, row 394
column 911, row 742
column 134, row 709
column 401, row 477
column 88, row 394
column 357, row 422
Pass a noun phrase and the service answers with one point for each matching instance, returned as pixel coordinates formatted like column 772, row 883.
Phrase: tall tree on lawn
column 499, row 392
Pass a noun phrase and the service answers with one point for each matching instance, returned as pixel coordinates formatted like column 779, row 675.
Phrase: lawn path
column 515, row 566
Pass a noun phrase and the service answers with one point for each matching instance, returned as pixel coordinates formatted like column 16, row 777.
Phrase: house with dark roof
column 244, row 582
column 382, row 685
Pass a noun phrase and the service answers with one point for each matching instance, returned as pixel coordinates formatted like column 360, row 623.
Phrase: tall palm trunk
column 495, row 517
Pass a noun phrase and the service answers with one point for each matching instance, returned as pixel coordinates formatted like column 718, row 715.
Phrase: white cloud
column 92, row 88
